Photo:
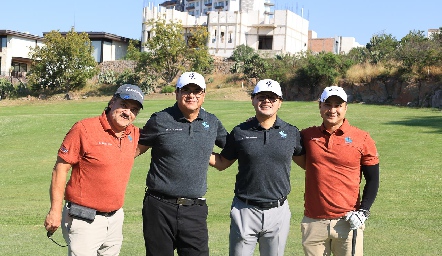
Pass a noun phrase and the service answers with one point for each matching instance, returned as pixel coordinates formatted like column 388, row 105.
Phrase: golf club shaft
column 353, row 242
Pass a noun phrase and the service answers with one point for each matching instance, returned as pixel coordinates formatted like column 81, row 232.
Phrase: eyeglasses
column 271, row 98
column 197, row 92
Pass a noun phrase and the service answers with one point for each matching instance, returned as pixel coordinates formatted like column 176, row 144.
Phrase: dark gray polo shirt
column 181, row 151
column 264, row 158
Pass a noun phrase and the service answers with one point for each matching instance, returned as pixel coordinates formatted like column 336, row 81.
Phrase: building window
column 2, row 42
column 214, row 37
column 265, row 42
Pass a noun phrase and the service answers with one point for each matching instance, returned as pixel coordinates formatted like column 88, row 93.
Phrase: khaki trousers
column 103, row 236
column 321, row 237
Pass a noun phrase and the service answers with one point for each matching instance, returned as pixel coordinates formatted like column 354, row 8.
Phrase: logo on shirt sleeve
column 64, row 150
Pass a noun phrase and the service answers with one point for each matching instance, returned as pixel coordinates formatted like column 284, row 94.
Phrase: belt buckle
column 184, row 201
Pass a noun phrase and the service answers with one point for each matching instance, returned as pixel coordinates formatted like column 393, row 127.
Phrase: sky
column 358, row 19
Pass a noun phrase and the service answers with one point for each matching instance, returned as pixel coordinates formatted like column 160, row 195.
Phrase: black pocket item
column 82, row 212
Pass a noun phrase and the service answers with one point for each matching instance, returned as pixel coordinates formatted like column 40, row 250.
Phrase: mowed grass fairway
column 406, row 217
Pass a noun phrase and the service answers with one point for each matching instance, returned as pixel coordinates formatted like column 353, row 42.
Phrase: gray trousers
column 250, row 225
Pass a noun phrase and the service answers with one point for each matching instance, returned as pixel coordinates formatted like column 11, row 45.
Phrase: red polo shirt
column 333, row 169
column 101, row 163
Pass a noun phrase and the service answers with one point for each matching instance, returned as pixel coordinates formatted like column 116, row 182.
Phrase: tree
column 255, row 67
column 382, row 48
column 239, row 55
column 242, row 52
column 321, row 70
column 133, row 51
column 415, row 51
column 63, row 63
column 199, row 56
column 167, row 50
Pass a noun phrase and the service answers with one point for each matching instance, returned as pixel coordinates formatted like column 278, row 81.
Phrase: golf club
column 353, row 242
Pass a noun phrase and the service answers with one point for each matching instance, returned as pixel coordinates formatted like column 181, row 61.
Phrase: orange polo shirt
column 333, row 169
column 101, row 163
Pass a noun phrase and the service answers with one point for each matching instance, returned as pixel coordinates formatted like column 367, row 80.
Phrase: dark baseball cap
column 131, row 92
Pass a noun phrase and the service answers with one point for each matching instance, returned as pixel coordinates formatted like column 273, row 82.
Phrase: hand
column 52, row 221
column 357, row 218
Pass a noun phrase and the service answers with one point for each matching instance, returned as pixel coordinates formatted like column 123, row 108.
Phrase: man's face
column 333, row 111
column 190, row 98
column 123, row 113
column 266, row 104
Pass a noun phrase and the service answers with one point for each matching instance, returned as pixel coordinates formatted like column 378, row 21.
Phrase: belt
column 177, row 200
column 264, row 205
column 106, row 214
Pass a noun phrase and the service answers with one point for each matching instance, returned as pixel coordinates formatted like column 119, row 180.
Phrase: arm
column 141, row 149
column 219, row 162
column 371, row 175
column 299, row 160
column 58, row 184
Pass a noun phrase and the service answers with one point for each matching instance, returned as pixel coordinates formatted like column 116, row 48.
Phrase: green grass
column 406, row 217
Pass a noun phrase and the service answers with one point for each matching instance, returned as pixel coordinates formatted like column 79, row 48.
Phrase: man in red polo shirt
column 337, row 155
column 100, row 151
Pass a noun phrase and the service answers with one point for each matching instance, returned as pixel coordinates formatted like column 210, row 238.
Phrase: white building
column 14, row 52
column 234, row 22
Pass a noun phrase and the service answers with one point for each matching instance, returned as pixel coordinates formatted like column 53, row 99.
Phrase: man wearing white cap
column 264, row 146
column 100, row 152
column 336, row 156
column 182, row 138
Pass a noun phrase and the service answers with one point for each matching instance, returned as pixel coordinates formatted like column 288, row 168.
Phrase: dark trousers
column 168, row 226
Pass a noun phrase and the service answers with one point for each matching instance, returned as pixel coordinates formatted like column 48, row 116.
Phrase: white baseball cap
column 191, row 78
column 268, row 85
column 333, row 90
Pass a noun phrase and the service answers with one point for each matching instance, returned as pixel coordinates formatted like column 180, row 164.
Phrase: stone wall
column 118, row 66
column 388, row 92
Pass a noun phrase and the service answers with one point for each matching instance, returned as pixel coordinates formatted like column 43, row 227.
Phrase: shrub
column 168, row 89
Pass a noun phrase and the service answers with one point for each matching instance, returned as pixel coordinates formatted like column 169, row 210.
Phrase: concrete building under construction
column 235, row 22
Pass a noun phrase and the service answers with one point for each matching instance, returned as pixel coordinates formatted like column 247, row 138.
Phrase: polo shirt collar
column 341, row 130
column 178, row 115
column 254, row 125
column 106, row 126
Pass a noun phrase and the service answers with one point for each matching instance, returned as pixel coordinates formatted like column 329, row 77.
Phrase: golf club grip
column 353, row 242
column 49, row 233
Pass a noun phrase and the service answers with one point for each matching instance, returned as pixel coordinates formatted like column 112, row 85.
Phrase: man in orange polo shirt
column 337, row 155
column 100, row 151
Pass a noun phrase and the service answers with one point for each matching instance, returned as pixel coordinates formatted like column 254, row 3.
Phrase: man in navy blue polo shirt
column 182, row 138
column 264, row 147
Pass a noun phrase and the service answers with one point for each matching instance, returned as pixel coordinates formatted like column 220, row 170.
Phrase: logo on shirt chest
column 283, row 134
column 104, row 143
column 206, row 126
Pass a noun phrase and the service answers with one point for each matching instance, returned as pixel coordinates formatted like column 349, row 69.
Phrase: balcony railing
column 219, row 7
column 208, row 4
column 190, row 7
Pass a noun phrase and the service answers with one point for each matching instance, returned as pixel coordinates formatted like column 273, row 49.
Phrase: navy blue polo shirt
column 180, row 151
column 264, row 158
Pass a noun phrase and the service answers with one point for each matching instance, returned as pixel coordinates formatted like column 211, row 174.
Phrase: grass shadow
column 434, row 122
